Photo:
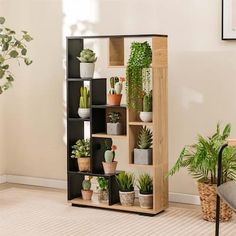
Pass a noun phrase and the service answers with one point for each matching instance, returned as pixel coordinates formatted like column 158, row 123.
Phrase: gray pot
column 146, row 200
column 86, row 70
column 143, row 156
column 114, row 128
column 127, row 198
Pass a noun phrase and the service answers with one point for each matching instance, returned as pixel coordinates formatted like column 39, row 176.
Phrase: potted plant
column 114, row 127
column 110, row 164
column 103, row 189
column 84, row 103
column 143, row 153
column 81, row 151
column 200, row 159
column 114, row 96
column 87, row 63
column 139, row 59
column 86, row 191
column 12, row 49
column 145, row 185
column 125, row 182
column 146, row 113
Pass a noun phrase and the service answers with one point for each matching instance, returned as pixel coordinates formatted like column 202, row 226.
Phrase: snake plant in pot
column 143, row 152
column 84, row 103
column 125, row 182
column 81, row 151
column 200, row 159
column 87, row 63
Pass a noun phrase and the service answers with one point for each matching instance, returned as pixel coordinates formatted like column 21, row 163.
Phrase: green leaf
column 13, row 53
column 28, row 61
column 5, row 46
column 5, row 67
column 27, row 37
column 2, row 72
column 2, row 20
column 23, row 51
column 1, row 59
column 10, row 78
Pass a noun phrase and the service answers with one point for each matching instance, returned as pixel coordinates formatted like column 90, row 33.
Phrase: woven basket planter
column 207, row 194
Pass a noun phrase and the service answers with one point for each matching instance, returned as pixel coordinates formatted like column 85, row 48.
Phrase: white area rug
column 46, row 213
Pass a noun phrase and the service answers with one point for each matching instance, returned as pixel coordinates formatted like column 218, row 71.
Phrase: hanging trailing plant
column 11, row 48
column 140, row 57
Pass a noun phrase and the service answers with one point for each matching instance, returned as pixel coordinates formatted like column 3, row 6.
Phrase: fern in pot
column 200, row 159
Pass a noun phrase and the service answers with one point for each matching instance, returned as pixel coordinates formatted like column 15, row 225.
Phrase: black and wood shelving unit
column 98, row 118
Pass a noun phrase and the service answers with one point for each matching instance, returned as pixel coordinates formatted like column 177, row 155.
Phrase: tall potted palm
column 200, row 159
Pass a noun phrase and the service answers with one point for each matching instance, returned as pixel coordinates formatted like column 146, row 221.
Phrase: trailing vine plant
column 140, row 57
column 11, row 48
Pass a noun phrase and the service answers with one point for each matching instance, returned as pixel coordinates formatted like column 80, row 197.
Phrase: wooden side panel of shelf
column 116, row 51
column 160, row 123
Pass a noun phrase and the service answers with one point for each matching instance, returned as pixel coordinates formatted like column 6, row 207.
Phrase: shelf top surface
column 93, row 174
column 117, row 36
column 108, row 106
column 87, row 79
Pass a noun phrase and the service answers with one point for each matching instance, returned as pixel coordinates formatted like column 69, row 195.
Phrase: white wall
column 201, row 74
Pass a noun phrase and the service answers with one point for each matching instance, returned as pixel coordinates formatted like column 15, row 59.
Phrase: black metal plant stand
column 219, row 182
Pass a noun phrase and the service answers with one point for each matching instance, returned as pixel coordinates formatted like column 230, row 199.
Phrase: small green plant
column 87, row 56
column 81, row 148
column 116, row 84
column 84, row 101
column 86, row 184
column 145, row 138
column 11, row 48
column 102, row 183
column 200, row 159
column 147, row 103
column 125, row 181
column 114, row 117
column 140, row 57
column 145, row 184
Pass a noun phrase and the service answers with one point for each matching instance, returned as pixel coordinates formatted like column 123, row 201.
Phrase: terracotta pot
column 109, row 167
column 146, row 200
column 84, row 163
column 87, row 194
column 114, row 99
column 207, row 194
column 127, row 198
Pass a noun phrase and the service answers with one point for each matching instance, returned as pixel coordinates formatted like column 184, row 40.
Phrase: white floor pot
column 127, row 198
column 145, row 116
column 114, row 128
column 84, row 113
column 86, row 70
column 143, row 156
column 146, row 201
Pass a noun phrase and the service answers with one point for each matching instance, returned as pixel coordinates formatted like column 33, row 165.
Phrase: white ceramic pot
column 145, row 116
column 84, row 112
column 86, row 70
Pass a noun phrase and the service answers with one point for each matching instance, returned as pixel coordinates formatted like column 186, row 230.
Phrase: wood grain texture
column 116, row 52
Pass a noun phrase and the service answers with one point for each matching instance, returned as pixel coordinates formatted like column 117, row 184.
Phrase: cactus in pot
column 143, row 152
column 84, row 103
column 146, row 114
column 86, row 191
column 87, row 63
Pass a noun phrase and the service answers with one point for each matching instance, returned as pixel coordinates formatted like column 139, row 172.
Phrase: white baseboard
column 184, row 198
column 42, row 182
column 62, row 184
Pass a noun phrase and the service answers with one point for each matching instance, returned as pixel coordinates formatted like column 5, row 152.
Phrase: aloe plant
column 145, row 184
column 145, row 138
column 125, row 181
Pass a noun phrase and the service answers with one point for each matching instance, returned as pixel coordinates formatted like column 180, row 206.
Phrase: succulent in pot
column 103, row 189
column 143, row 152
column 114, row 127
column 146, row 114
column 145, row 186
column 81, row 151
column 87, row 63
column 114, row 96
column 200, row 159
column 110, row 164
column 84, row 103
column 125, row 182
column 86, row 191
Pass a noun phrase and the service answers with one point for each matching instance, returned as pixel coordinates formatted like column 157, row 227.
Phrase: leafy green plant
column 125, row 181
column 114, row 117
column 140, row 57
column 84, row 98
column 102, row 183
column 145, row 138
column 87, row 56
column 145, row 184
column 11, row 49
column 81, row 148
column 200, row 159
